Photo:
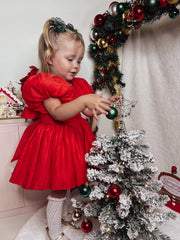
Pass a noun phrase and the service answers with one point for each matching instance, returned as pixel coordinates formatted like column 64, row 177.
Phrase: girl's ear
column 49, row 59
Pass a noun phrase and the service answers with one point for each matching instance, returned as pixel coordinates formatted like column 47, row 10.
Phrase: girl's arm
column 92, row 102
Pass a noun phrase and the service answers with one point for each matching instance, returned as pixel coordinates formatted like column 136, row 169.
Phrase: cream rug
column 34, row 228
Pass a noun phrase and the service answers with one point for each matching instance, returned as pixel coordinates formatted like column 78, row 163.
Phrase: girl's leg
column 54, row 214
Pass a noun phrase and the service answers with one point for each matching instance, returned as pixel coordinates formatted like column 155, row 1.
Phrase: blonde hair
column 49, row 43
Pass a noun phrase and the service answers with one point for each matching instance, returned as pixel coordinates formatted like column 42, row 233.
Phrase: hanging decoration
column 114, row 191
column 84, row 190
column 112, row 29
column 77, row 214
column 86, row 225
column 120, row 109
column 113, row 113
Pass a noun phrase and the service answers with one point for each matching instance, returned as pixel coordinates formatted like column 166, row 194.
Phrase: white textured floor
column 9, row 227
column 35, row 228
column 31, row 226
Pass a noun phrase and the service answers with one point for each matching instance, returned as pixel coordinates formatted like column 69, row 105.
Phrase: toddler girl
column 51, row 151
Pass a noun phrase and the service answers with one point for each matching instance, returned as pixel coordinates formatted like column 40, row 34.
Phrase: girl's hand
column 97, row 104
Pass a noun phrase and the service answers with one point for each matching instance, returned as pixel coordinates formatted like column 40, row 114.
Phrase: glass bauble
column 150, row 5
column 138, row 13
column 84, row 190
column 114, row 191
column 172, row 1
column 99, row 20
column 77, row 214
column 174, row 13
column 163, row 3
column 120, row 8
column 113, row 113
column 113, row 8
column 86, row 226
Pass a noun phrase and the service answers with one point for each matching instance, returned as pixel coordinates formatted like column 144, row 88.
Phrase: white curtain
column 150, row 62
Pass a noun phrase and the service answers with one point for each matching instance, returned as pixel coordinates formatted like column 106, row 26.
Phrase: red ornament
column 138, row 13
column 99, row 20
column 174, row 169
column 86, row 226
column 112, row 40
column 163, row 3
column 114, row 191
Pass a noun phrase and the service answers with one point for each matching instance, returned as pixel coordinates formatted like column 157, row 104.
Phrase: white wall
column 21, row 24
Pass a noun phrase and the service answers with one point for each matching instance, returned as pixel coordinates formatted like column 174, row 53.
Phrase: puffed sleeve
column 40, row 87
column 82, row 86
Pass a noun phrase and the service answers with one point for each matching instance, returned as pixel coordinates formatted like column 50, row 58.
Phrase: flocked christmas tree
column 122, row 192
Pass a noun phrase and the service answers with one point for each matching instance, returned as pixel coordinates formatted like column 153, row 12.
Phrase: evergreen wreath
column 112, row 29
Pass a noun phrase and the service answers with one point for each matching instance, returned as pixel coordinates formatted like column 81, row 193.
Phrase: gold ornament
column 114, row 78
column 129, row 24
column 172, row 1
column 126, row 31
column 127, row 15
column 133, row 194
column 111, row 49
column 99, row 67
column 107, row 196
column 102, row 43
column 108, row 229
column 127, row 18
column 118, row 126
column 118, row 89
column 110, row 64
column 77, row 214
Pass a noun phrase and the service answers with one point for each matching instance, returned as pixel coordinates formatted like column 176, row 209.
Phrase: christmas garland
column 112, row 29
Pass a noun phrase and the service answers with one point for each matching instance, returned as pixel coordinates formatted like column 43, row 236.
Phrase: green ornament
column 150, row 5
column 94, row 48
column 113, row 113
column 174, row 13
column 120, row 8
column 84, row 190
column 119, row 33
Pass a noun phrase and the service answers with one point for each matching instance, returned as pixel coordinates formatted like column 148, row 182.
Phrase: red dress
column 51, row 153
